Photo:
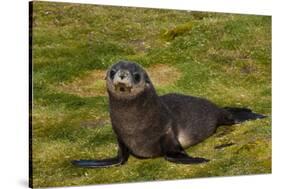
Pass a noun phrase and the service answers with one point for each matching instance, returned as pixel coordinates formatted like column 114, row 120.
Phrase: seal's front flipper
column 184, row 158
column 97, row 163
column 121, row 158
column 174, row 152
column 100, row 163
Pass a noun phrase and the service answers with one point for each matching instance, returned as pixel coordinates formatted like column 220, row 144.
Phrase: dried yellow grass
column 163, row 75
column 93, row 83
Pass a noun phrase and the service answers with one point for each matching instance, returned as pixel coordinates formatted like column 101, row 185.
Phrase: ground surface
column 223, row 57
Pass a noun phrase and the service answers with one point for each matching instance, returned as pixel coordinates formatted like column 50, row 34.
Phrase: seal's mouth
column 122, row 88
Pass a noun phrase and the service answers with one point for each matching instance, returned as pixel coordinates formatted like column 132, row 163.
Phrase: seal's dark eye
column 111, row 74
column 137, row 77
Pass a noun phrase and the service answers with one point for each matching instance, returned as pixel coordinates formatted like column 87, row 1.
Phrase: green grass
column 223, row 57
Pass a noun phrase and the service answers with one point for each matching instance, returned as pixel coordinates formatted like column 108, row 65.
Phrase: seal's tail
column 240, row 115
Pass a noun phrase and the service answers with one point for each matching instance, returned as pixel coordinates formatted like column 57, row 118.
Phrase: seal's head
column 126, row 80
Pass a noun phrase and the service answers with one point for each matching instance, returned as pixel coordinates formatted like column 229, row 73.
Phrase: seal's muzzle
column 122, row 81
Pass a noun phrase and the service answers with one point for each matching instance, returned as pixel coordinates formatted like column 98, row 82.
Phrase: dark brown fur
column 148, row 125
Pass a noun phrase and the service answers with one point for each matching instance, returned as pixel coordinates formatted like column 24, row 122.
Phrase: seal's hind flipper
column 240, row 115
column 174, row 152
column 184, row 159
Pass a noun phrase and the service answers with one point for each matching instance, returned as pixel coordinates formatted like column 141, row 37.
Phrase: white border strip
column 14, row 90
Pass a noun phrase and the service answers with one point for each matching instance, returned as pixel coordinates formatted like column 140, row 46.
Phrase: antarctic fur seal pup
column 147, row 125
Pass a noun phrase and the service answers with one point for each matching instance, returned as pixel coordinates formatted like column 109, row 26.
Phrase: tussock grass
column 223, row 57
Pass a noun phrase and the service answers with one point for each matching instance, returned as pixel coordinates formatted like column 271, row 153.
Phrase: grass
column 223, row 57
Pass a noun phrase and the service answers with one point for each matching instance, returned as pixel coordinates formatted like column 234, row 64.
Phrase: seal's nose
column 123, row 74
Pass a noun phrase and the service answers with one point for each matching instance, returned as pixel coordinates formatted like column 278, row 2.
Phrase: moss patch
column 178, row 30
